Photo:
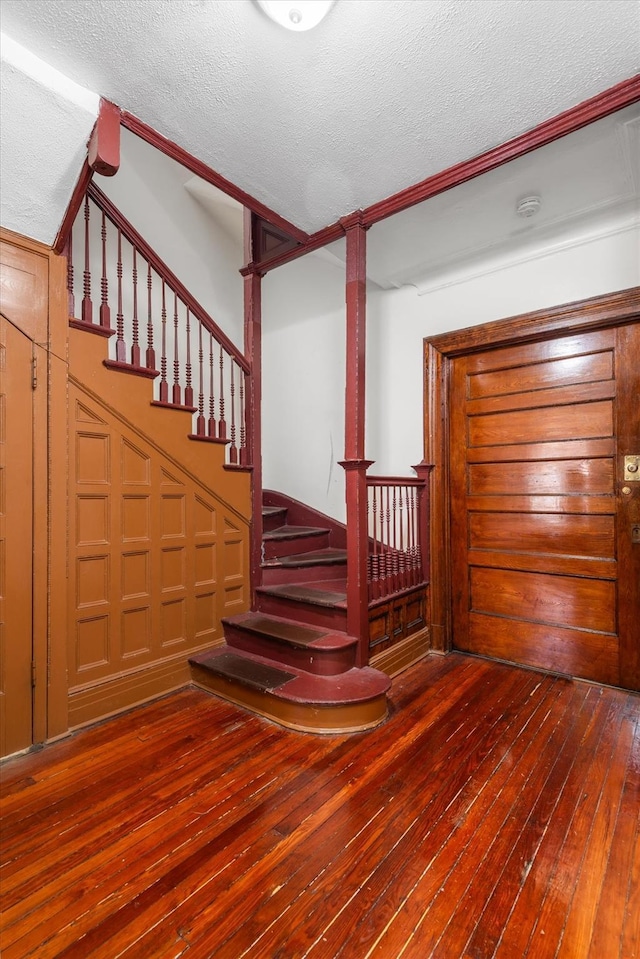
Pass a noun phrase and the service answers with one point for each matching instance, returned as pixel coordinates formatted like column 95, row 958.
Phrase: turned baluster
column 375, row 557
column 70, row 296
column 135, row 345
column 233, row 450
column 211, row 429
column 400, row 534
column 121, row 349
column 188, row 390
column 243, row 423
column 151, row 353
column 164, row 386
column 87, row 305
column 222, row 424
column 200, row 422
column 105, row 312
column 388, row 565
column 176, row 392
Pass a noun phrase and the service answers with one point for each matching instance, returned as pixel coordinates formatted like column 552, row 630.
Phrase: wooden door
column 16, row 539
column 544, row 571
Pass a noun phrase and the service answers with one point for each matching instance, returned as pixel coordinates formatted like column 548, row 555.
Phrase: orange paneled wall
column 136, row 536
column 156, row 561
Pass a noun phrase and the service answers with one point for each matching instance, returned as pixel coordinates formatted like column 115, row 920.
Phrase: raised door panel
column 535, row 538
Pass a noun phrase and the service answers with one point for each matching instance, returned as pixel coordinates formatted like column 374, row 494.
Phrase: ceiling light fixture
column 296, row 14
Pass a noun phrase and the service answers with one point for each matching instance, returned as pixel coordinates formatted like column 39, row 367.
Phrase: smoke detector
column 528, row 206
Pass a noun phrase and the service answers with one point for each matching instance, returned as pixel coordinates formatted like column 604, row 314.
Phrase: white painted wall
column 149, row 189
column 304, row 346
column 587, row 264
column 45, row 122
column 303, row 383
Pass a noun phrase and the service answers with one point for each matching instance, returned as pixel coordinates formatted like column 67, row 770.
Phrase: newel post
column 423, row 471
column 354, row 463
column 253, row 392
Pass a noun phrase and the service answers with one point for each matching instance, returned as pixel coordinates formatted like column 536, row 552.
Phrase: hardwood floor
column 494, row 814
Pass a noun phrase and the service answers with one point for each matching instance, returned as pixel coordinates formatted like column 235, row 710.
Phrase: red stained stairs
column 290, row 659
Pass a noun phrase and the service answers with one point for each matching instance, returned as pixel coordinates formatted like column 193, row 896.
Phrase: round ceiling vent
column 528, row 206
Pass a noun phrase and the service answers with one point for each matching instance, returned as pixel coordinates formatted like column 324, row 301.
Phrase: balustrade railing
column 161, row 331
column 397, row 523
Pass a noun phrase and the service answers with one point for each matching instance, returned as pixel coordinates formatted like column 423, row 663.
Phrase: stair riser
column 319, row 662
column 333, row 617
column 273, row 548
column 269, row 523
column 280, row 575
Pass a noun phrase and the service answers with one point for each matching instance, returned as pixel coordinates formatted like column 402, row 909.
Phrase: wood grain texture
column 494, row 814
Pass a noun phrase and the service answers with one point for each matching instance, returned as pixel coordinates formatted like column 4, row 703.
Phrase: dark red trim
column 75, row 203
column 394, row 480
column 615, row 98
column 269, row 241
column 171, row 149
column 130, row 232
column 104, row 143
column 354, row 463
column 329, row 234
column 206, row 439
column 91, row 327
column 120, row 367
column 253, row 350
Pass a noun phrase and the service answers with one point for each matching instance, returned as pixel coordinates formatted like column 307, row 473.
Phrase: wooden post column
column 423, row 471
column 354, row 463
column 253, row 352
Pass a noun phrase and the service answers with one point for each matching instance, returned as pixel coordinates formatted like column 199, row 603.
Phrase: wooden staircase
column 290, row 659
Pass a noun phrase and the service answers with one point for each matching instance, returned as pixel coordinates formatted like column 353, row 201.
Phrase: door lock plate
column 631, row 469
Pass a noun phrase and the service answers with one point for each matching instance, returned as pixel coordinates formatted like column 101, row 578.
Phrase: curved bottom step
column 349, row 702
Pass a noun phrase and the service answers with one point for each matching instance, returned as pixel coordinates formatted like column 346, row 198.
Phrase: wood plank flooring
column 496, row 814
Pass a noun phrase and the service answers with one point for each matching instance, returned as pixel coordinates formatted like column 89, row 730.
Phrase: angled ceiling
column 315, row 125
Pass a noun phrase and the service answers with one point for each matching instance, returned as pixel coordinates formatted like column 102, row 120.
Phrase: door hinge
column 34, row 372
column 33, row 674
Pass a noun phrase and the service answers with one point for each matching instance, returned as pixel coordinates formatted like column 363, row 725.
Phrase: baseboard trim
column 404, row 654
column 88, row 704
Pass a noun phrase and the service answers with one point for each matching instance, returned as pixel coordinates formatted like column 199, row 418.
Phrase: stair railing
column 397, row 512
column 160, row 330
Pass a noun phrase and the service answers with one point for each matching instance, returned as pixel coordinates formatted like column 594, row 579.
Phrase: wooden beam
column 171, row 149
column 581, row 115
column 75, row 203
column 589, row 111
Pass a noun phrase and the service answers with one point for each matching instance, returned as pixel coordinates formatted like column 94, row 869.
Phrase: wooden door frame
column 581, row 316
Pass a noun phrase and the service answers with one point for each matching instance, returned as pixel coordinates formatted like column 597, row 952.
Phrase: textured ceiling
column 378, row 97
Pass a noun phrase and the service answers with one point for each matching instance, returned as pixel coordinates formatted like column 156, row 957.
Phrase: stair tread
column 353, row 686
column 306, row 593
column 317, row 557
column 289, row 631
column 293, row 532
column 273, row 510
column 247, row 669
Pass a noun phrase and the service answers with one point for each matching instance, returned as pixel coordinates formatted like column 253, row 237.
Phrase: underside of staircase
column 291, row 659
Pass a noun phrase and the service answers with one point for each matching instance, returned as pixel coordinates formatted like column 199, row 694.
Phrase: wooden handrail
column 165, row 273
column 395, row 481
